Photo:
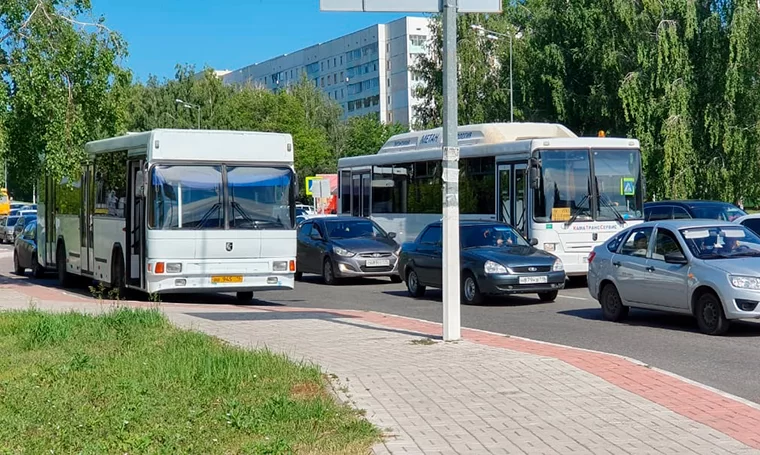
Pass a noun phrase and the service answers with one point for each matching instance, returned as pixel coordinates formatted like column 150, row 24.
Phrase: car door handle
column 650, row 269
column 616, row 264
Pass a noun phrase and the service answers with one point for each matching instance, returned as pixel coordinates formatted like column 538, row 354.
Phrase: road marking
column 574, row 298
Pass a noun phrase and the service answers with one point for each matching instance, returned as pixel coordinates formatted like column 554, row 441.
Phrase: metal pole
column 451, row 272
column 199, row 117
column 511, row 93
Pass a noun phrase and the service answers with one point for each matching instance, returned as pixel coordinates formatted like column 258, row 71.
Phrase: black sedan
column 25, row 251
column 495, row 260
column 346, row 247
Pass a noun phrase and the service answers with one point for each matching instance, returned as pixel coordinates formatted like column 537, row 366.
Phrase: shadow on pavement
column 665, row 321
column 316, row 279
column 300, row 315
column 435, row 295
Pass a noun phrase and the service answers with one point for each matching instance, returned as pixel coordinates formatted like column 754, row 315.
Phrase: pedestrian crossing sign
column 627, row 186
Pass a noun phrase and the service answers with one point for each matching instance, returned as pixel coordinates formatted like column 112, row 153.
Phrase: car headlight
column 558, row 266
column 745, row 282
column 343, row 252
column 494, row 267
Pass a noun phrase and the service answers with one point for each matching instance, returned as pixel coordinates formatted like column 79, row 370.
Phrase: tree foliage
column 61, row 85
column 681, row 76
column 320, row 136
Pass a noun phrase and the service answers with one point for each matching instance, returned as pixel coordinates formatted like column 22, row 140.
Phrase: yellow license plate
column 226, row 279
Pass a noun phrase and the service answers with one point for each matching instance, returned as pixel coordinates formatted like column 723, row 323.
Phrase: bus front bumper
column 216, row 277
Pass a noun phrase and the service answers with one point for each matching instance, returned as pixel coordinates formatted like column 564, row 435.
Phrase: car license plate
column 532, row 279
column 226, row 279
column 378, row 262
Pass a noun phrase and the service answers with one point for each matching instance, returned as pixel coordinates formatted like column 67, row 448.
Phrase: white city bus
column 170, row 211
column 568, row 193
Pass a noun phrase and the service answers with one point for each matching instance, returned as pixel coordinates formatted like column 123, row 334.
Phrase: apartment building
column 369, row 71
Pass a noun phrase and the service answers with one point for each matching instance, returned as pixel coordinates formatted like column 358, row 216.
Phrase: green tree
column 365, row 135
column 64, row 85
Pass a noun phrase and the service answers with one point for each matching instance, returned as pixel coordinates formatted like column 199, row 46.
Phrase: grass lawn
column 129, row 382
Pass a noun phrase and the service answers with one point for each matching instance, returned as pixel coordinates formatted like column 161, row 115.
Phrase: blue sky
column 223, row 34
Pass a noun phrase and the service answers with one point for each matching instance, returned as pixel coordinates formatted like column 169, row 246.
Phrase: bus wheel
column 245, row 296
column 64, row 277
column 117, row 274
column 17, row 269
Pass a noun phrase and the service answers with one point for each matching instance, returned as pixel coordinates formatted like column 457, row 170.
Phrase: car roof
column 471, row 223
column 687, row 202
column 338, row 217
column 690, row 223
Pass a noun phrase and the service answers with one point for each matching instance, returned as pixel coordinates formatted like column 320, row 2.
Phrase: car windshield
column 721, row 242
column 717, row 212
column 487, row 235
column 11, row 221
column 352, row 229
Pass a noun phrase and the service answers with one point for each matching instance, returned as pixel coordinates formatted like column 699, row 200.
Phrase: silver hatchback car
column 709, row 269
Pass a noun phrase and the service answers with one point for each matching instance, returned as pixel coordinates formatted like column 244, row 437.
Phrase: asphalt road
column 672, row 343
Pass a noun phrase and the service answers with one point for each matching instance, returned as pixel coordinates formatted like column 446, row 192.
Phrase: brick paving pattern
column 486, row 394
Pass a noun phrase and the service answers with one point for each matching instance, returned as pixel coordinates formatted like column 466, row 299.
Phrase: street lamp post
column 494, row 36
column 191, row 106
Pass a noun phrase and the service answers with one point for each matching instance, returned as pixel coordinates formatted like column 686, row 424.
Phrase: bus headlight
column 558, row 266
column 492, row 267
column 280, row 266
column 550, row 246
column 173, row 267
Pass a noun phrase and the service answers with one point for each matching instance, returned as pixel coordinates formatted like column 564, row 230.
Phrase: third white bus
column 569, row 193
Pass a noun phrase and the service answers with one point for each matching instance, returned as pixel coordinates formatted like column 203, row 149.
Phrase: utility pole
column 451, row 272
column 450, row 143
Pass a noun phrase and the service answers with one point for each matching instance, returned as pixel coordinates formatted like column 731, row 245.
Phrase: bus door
column 135, row 224
column 361, row 192
column 86, row 220
column 513, row 201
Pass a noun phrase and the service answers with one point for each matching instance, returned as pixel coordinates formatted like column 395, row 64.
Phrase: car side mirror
column 676, row 257
column 533, row 241
column 391, row 235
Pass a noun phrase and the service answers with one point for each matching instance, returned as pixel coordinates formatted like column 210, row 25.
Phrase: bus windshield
column 570, row 182
column 195, row 197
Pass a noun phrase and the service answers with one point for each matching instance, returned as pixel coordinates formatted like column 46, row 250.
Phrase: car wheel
column 328, row 273
column 612, row 304
column 245, row 296
column 470, row 291
column 37, row 270
column 413, row 285
column 548, row 296
column 396, row 279
column 710, row 316
column 17, row 269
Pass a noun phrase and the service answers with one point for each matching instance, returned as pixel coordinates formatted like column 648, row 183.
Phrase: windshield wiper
column 579, row 208
column 202, row 222
column 607, row 203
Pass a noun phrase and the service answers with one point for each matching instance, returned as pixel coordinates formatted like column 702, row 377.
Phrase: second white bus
column 569, row 193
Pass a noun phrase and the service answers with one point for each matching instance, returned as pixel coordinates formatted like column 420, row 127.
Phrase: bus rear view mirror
column 535, row 180
column 140, row 188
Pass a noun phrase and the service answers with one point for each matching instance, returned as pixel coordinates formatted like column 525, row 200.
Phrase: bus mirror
column 535, row 181
column 140, row 184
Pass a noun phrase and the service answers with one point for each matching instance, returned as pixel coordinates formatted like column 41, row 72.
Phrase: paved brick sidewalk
column 487, row 394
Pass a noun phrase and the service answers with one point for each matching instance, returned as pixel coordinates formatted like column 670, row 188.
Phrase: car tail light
column 591, row 256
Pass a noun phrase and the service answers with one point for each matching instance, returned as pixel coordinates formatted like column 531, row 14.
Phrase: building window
column 322, row 83
column 341, row 94
column 389, row 101
column 336, row 95
column 390, row 117
column 322, row 65
column 341, row 59
column 388, row 65
column 335, row 62
column 417, row 40
column 388, row 48
column 389, row 82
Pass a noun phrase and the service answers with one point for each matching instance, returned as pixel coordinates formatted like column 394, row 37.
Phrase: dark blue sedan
column 495, row 260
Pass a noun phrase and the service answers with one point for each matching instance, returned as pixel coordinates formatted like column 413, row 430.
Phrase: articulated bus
column 569, row 193
column 169, row 211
